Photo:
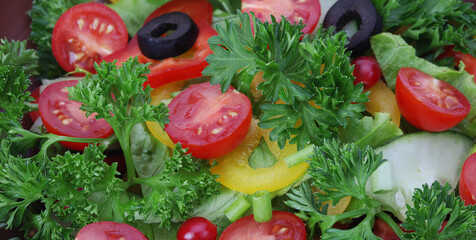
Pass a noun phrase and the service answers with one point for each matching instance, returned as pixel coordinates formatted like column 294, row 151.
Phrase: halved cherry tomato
column 468, row 60
column 208, row 122
column 235, row 172
column 63, row 117
column 467, row 181
column 86, row 33
column 109, row 230
column 197, row 228
column 186, row 66
column 308, row 11
column 382, row 99
column 428, row 103
column 366, row 71
column 283, row 225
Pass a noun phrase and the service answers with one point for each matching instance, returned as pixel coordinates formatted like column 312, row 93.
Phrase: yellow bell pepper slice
column 382, row 99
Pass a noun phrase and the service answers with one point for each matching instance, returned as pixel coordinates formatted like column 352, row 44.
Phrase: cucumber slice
column 417, row 159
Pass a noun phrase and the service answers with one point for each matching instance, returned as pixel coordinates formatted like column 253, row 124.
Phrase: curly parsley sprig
column 308, row 91
column 116, row 95
column 343, row 170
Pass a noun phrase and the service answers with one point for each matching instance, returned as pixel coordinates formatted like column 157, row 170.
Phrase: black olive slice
column 364, row 12
column 167, row 35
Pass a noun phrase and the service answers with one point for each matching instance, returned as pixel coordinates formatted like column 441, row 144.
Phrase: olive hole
column 163, row 30
column 350, row 23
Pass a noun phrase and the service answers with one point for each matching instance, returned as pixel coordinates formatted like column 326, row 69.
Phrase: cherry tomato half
column 63, row 117
column 86, row 33
column 109, row 230
column 428, row 103
column 366, row 71
column 283, row 225
column 197, row 228
column 186, row 66
column 308, row 11
column 467, row 181
column 208, row 122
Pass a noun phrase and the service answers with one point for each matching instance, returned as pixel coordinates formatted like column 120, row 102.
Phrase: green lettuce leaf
column 370, row 131
column 134, row 12
column 393, row 53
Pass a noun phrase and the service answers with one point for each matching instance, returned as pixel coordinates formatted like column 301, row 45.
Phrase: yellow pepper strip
column 235, row 172
column 158, row 95
column 382, row 99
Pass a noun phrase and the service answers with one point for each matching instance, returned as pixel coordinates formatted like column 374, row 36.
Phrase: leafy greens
column 308, row 91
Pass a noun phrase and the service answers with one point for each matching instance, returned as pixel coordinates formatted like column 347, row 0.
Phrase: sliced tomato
column 467, row 181
column 186, row 66
column 86, row 33
column 307, row 11
column 208, row 122
column 109, row 230
column 283, row 225
column 235, row 172
column 63, row 117
column 468, row 60
column 428, row 103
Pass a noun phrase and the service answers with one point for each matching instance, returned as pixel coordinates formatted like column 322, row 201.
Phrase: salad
column 207, row 119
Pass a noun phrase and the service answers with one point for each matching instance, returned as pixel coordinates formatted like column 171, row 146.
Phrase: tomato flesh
column 63, row 117
column 366, row 71
column 109, row 231
column 197, row 228
column 186, row 66
column 428, row 103
column 210, row 124
column 282, row 226
column 307, row 11
column 86, row 33
column 467, row 181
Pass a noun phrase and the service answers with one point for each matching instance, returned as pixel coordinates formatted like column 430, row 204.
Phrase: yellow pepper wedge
column 158, row 95
column 382, row 99
column 235, row 172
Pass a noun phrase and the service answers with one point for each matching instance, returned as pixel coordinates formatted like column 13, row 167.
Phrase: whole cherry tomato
column 197, row 228
column 366, row 71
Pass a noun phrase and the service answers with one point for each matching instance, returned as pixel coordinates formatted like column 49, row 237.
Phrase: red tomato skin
column 467, row 181
column 109, row 231
column 423, row 113
column 186, row 66
column 382, row 230
column 309, row 11
column 36, row 95
column 366, row 71
column 188, row 122
column 282, row 226
column 73, row 36
column 56, row 110
column 197, row 228
column 468, row 60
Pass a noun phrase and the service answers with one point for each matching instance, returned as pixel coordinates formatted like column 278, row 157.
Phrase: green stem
column 237, row 208
column 299, row 157
column 262, row 206
column 124, row 141
column 385, row 217
column 32, row 106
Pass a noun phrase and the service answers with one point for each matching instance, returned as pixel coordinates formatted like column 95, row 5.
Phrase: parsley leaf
column 431, row 206
column 116, row 95
column 308, row 91
column 431, row 24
